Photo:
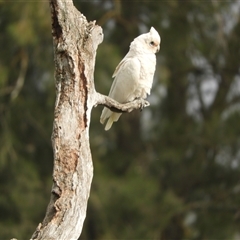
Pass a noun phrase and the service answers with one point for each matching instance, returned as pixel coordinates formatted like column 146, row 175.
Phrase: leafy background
column 168, row 172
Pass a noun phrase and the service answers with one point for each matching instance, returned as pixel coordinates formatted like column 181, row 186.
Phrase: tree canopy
column 168, row 172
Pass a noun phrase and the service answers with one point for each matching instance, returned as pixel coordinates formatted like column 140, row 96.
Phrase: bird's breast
column 148, row 66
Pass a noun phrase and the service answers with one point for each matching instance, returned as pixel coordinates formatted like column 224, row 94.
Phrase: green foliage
column 26, row 110
column 169, row 172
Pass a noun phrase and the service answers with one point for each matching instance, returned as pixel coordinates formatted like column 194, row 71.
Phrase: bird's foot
column 143, row 103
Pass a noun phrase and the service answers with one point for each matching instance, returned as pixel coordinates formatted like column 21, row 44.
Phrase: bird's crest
column 155, row 34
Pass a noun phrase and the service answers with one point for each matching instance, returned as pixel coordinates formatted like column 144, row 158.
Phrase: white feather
column 134, row 74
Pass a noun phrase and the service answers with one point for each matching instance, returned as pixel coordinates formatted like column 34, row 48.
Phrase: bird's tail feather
column 106, row 113
column 113, row 118
column 109, row 124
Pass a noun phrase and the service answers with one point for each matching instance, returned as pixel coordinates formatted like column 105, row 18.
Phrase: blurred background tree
column 168, row 172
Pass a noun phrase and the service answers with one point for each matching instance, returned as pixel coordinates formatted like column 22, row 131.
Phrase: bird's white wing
column 127, row 75
column 126, row 80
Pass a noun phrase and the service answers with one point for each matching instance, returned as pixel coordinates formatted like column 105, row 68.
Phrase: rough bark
column 75, row 42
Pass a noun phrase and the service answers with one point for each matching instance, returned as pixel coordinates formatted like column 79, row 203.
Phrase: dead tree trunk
column 75, row 42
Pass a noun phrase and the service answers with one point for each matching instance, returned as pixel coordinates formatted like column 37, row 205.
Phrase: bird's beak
column 158, row 49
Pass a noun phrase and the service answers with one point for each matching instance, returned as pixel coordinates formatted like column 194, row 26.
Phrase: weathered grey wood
column 75, row 42
column 120, row 107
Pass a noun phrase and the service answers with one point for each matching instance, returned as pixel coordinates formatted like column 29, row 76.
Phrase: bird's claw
column 143, row 104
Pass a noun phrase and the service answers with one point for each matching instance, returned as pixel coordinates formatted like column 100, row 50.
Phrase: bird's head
column 147, row 42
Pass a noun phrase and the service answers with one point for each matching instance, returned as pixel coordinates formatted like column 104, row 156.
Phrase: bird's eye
column 152, row 43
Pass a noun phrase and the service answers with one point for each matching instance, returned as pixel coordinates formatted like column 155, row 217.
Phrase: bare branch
column 120, row 107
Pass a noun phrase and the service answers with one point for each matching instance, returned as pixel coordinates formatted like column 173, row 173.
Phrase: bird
column 133, row 77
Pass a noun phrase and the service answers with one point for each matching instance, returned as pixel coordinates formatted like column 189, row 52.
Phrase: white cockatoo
column 134, row 74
